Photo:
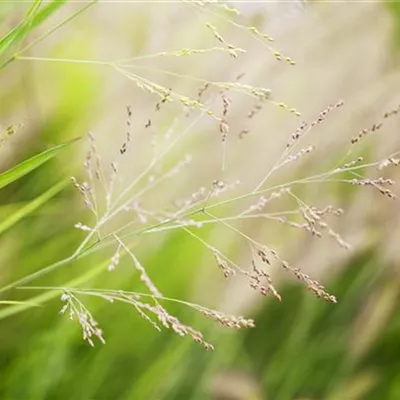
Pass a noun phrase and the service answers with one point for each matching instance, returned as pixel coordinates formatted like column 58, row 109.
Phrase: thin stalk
column 64, row 60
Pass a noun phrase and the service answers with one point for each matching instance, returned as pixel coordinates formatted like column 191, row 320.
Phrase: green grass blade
column 30, row 164
column 32, row 206
column 45, row 14
column 47, row 11
column 36, row 15
column 9, row 37
column 28, row 23
column 21, row 30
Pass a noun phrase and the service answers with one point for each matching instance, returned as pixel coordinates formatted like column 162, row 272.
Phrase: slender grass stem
column 64, row 60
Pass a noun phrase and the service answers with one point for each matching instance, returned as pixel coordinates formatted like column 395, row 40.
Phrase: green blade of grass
column 31, row 164
column 8, row 38
column 18, row 33
column 28, row 23
column 32, row 206
column 32, row 20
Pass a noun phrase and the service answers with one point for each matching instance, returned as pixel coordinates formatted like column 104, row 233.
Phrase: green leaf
column 36, row 15
column 31, row 164
column 32, row 206
column 18, row 33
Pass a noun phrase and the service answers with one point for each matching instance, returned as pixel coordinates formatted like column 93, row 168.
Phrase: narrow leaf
column 36, row 15
column 30, row 164
column 19, row 32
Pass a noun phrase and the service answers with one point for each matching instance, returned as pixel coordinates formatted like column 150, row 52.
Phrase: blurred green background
column 302, row 348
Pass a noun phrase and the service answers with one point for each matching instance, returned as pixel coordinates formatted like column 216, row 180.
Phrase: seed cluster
column 86, row 191
column 260, row 279
column 277, row 54
column 76, row 310
column 315, row 224
column 366, row 131
column 376, row 126
column 230, row 321
column 389, row 161
column 376, row 183
column 263, row 201
column 301, row 153
column 202, row 90
column 314, row 286
column 232, row 50
column 257, row 107
column 115, row 258
column 352, row 163
column 9, row 131
column 304, row 128
column 223, row 266
column 127, row 141
column 164, row 318
column 223, row 125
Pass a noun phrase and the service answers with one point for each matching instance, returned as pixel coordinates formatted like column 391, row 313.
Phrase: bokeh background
column 302, row 348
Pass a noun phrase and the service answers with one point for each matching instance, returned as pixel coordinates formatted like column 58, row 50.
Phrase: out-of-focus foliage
column 302, row 348
column 394, row 8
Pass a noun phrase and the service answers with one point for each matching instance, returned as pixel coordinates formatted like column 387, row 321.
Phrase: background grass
column 302, row 348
